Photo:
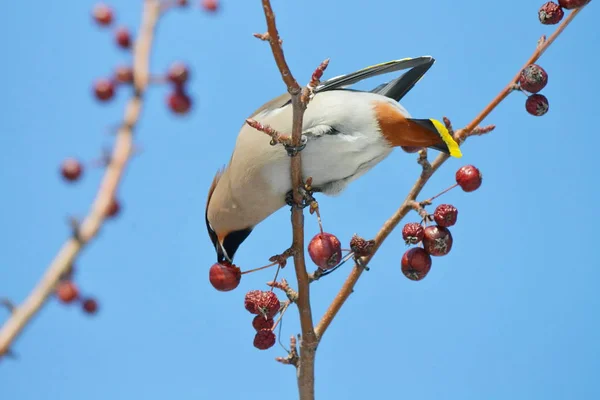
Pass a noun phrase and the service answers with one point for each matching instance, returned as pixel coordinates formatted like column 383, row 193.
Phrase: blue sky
column 511, row 312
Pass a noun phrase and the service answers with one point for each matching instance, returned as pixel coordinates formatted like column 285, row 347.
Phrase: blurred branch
column 308, row 344
column 90, row 226
column 406, row 206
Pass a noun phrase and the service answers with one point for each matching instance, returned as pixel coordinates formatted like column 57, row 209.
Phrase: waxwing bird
column 346, row 132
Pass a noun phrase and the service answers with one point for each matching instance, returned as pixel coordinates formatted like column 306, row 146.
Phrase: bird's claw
column 307, row 198
column 293, row 150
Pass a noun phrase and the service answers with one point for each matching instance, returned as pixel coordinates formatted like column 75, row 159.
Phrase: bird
column 345, row 133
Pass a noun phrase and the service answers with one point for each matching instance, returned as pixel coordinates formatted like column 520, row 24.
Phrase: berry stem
column 260, row 268
column 283, row 310
column 428, row 201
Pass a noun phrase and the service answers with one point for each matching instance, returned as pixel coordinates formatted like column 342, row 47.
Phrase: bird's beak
column 222, row 253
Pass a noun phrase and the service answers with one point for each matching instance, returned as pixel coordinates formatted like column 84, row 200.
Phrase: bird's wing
column 418, row 66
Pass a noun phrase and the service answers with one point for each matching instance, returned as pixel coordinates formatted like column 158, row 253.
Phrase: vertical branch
column 309, row 342
column 92, row 223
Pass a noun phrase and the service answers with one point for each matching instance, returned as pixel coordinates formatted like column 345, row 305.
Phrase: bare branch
column 406, row 206
column 119, row 159
column 306, row 372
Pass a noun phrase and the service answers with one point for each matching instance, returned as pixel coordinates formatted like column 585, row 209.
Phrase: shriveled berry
column 113, row 208
column 550, row 13
column 224, row 276
column 469, row 178
column 325, row 250
column 264, row 339
column 361, row 247
column 123, row 37
column 445, row 215
column 533, row 78
column 89, row 306
column 437, row 240
column 124, row 74
column 537, row 104
column 260, row 322
column 104, row 89
column 572, row 4
column 67, row 291
column 251, row 301
column 103, row 14
column 411, row 149
column 412, row 233
column 262, row 302
column 210, row 5
column 179, row 102
column 178, row 73
column 416, row 263
column 71, row 169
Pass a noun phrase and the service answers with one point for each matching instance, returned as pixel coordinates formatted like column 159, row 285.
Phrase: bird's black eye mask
column 231, row 243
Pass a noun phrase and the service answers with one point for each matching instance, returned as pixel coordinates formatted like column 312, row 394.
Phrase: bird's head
column 226, row 229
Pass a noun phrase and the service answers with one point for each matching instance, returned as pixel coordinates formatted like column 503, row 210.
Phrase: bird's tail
column 447, row 144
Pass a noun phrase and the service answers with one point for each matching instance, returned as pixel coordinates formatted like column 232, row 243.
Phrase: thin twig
column 308, row 346
column 119, row 158
column 395, row 219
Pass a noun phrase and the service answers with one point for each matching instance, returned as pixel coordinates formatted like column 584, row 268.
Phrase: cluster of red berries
column 71, row 170
column 533, row 77
column 436, row 239
column 265, row 304
column 178, row 101
column 68, row 293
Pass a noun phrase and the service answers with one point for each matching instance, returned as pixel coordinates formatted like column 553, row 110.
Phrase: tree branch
column 121, row 154
column 395, row 219
column 308, row 344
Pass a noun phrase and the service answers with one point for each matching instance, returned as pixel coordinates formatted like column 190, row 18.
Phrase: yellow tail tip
column 453, row 146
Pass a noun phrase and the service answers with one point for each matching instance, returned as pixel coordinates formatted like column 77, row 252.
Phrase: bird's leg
column 293, row 150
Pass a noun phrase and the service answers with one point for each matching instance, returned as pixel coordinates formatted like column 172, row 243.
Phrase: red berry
column 71, row 169
column 179, row 102
column 123, row 37
column 89, row 306
column 210, row 5
column 469, row 178
column 411, row 149
column 67, row 291
column 104, row 89
column 264, row 339
column 263, row 303
column 416, row 263
column 182, row 3
column 550, row 13
column 124, row 74
column 113, row 208
column 224, row 276
column 178, row 73
column 325, row 250
column 260, row 322
column 571, row 4
column 445, row 215
column 412, row 233
column 533, row 78
column 437, row 240
column 102, row 14
column 537, row 104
